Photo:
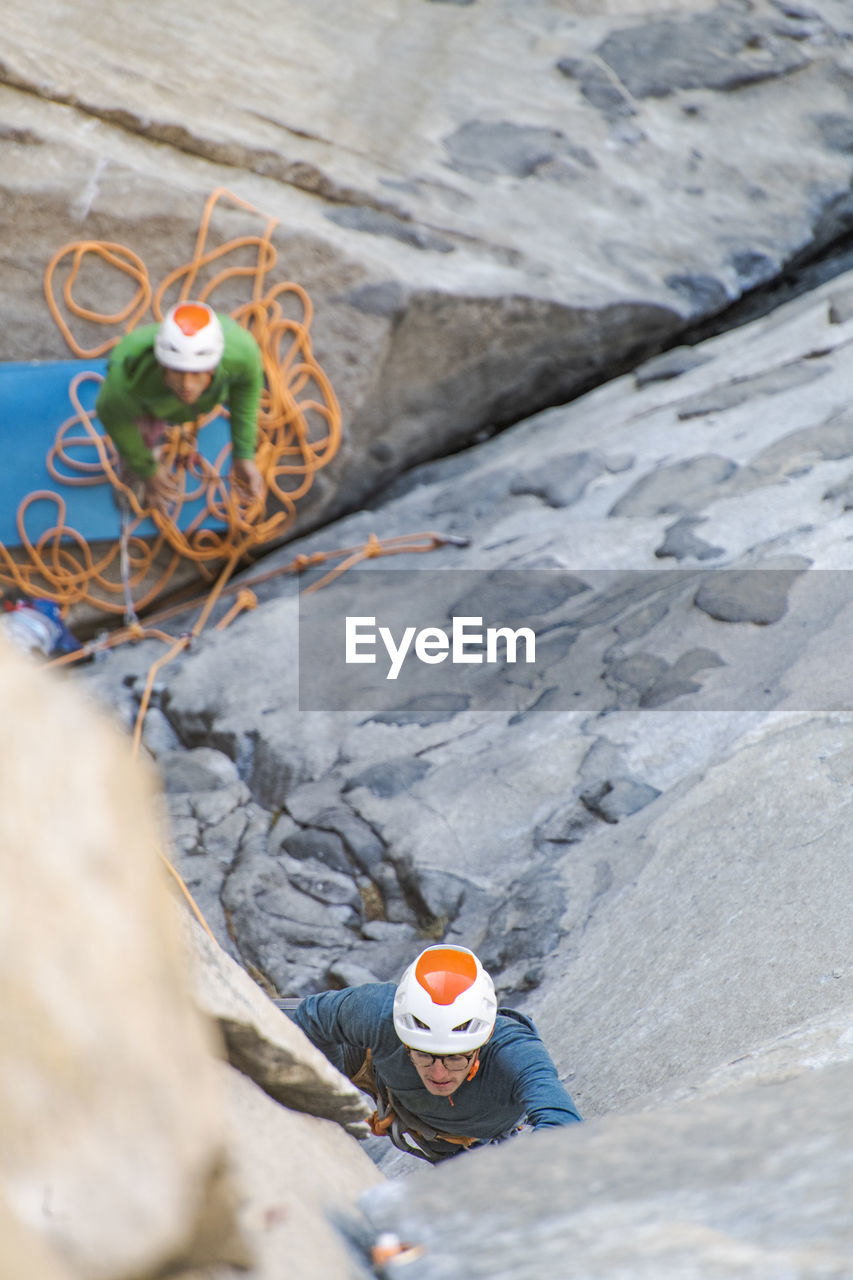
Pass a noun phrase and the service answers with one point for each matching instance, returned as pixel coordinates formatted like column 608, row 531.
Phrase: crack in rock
column 266, row 163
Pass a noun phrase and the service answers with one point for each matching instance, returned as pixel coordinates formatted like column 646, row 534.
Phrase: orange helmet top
column 445, row 972
column 190, row 317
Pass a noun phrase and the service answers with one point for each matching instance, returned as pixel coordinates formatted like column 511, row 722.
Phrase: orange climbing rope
column 409, row 544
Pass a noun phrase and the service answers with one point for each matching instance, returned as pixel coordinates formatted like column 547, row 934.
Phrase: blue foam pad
column 34, row 402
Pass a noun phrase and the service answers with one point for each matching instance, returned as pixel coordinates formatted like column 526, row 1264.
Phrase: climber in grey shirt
column 448, row 1070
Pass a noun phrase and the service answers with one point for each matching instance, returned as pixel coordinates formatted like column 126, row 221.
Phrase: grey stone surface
column 716, row 50
column 703, row 294
column 797, row 1053
column 377, row 222
column 749, row 595
column 798, row 450
column 384, row 930
column 678, row 680
column 348, row 974
column 158, row 735
column 261, row 1041
column 841, row 492
column 683, row 486
column 202, row 769
column 599, row 87
column 212, row 807
column 670, row 364
column 743, row 389
column 483, row 150
column 431, row 708
column 317, row 845
column 390, row 778
column 562, row 485
column 618, row 799
column 326, row 886
column 841, row 306
column 836, row 131
column 736, row 920
column 110, row 1144
column 643, row 837
column 750, row 1185
column 681, row 542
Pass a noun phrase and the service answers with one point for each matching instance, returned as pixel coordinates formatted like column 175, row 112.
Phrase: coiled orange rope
column 299, row 428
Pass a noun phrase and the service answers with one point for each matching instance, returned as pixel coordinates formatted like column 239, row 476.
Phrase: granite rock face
column 300, row 1180
column 659, row 795
column 262, row 1042
column 128, row 1149
column 642, row 829
column 93, row 988
column 658, row 874
column 492, row 207
column 753, row 1183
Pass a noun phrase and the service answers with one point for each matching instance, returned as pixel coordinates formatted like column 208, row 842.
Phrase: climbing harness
column 392, row 1120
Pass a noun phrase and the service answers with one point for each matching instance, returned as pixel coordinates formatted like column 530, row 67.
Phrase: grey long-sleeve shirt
column 516, row 1081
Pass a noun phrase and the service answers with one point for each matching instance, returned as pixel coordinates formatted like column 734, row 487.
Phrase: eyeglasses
column 450, row 1061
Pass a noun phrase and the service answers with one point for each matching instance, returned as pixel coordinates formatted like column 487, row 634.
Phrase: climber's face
column 187, row 386
column 441, row 1076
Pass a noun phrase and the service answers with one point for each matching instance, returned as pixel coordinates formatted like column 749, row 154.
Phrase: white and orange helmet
column 190, row 338
column 445, row 1002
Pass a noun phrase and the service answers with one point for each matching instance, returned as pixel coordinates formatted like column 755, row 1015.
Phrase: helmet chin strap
column 475, row 1065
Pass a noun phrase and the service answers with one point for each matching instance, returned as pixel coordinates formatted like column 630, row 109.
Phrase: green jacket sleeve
column 245, row 383
column 124, row 434
column 117, row 410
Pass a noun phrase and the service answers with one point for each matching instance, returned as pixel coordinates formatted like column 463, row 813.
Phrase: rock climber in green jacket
column 172, row 373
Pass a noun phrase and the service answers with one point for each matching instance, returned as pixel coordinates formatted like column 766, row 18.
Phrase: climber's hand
column 159, row 490
column 246, row 479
